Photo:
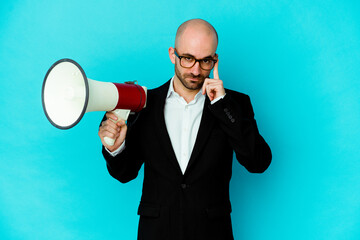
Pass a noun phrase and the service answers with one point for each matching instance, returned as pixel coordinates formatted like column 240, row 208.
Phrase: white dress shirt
column 182, row 121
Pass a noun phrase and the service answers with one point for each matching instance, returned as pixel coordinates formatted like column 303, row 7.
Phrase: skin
column 197, row 38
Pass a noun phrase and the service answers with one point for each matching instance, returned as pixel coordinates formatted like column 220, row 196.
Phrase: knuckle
column 111, row 129
column 110, row 135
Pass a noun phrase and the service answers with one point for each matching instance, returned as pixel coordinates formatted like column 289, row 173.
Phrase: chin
column 194, row 85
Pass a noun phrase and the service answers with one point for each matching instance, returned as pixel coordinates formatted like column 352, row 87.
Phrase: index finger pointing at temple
column 216, row 70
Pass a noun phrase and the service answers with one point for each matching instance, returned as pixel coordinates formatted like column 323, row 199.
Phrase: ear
column 172, row 54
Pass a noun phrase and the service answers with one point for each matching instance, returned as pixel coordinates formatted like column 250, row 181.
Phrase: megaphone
column 67, row 94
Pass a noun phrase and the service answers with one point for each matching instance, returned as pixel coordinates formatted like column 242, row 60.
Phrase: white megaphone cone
column 67, row 94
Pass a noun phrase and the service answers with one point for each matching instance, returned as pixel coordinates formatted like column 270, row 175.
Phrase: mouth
column 192, row 79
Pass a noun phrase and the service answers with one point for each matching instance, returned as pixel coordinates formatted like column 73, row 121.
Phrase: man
column 186, row 137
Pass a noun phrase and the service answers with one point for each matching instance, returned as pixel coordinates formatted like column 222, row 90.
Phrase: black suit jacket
column 193, row 205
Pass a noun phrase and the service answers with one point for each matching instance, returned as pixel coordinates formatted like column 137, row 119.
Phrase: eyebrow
column 189, row 55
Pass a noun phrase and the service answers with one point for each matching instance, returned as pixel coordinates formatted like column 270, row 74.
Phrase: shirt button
column 226, row 110
column 183, row 186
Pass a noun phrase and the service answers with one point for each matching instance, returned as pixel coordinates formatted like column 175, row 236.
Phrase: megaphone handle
column 121, row 114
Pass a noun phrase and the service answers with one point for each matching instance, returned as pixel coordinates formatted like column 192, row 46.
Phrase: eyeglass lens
column 206, row 64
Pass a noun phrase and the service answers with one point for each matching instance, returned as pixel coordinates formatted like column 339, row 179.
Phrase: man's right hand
column 112, row 130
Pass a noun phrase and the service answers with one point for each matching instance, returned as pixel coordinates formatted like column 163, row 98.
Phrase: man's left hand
column 214, row 88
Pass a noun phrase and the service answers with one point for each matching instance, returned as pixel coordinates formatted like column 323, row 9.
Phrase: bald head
column 196, row 27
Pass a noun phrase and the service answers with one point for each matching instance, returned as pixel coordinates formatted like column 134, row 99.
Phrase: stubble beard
column 190, row 85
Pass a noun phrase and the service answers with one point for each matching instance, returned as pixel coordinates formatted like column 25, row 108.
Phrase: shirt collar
column 171, row 88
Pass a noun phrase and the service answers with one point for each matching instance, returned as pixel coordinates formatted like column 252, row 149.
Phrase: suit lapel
column 162, row 132
column 206, row 125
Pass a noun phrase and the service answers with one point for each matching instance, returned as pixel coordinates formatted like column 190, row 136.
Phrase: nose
column 196, row 70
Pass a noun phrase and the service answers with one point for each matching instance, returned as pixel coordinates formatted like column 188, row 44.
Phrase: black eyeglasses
column 189, row 61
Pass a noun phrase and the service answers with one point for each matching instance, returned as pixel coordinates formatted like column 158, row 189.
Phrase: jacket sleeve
column 126, row 165
column 236, row 117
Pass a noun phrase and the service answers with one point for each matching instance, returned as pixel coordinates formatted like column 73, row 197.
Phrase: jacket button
column 226, row 110
column 183, row 186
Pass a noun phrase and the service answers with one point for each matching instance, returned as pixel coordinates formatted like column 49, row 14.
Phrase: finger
column 215, row 89
column 209, row 91
column 206, row 82
column 110, row 126
column 113, row 130
column 104, row 133
column 123, row 131
column 211, row 81
column 109, row 135
column 121, row 123
column 216, row 70
column 108, row 131
column 110, row 123
column 111, row 116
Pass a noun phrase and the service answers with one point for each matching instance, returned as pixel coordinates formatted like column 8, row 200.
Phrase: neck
column 187, row 94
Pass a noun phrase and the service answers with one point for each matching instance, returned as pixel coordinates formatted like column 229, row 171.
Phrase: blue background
column 298, row 60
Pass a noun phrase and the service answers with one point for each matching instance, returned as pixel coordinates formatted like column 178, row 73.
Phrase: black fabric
column 193, row 205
